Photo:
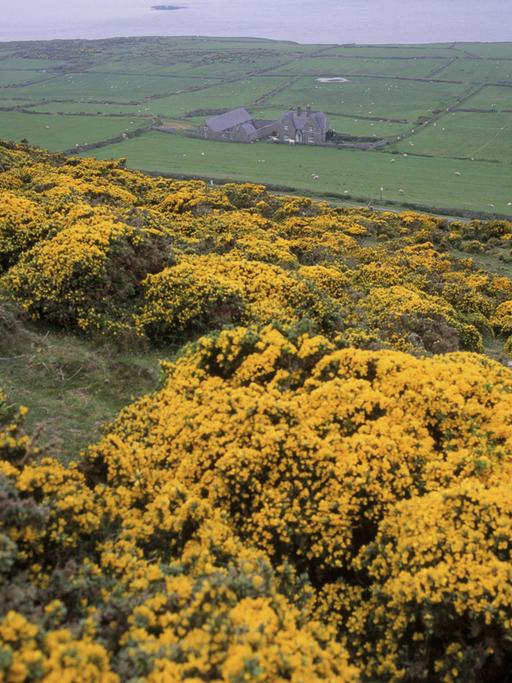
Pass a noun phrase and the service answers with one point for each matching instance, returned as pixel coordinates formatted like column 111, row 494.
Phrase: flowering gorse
column 320, row 490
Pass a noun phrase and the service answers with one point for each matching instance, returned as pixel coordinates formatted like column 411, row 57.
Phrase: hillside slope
column 320, row 488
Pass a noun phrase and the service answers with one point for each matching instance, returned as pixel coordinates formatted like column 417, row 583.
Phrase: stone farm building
column 304, row 127
column 237, row 126
column 298, row 126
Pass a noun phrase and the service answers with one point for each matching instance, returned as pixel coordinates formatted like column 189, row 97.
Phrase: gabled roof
column 321, row 119
column 249, row 128
column 228, row 120
column 300, row 120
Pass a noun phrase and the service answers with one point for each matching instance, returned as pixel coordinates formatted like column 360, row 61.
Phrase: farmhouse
column 237, row 126
column 304, row 127
column 299, row 126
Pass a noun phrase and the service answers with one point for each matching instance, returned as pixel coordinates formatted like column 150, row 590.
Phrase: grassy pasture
column 11, row 77
column 374, row 97
column 27, row 63
column 200, row 65
column 180, row 67
column 236, row 67
column 465, row 134
column 390, row 51
column 218, row 97
column 63, row 132
column 491, row 97
column 80, row 85
column 98, row 108
column 14, row 101
column 177, row 69
column 341, row 66
column 430, row 182
column 110, row 87
column 365, row 127
column 72, row 386
column 257, row 45
column 484, row 50
column 479, row 71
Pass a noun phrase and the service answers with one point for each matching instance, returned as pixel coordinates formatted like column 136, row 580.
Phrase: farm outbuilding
column 301, row 126
column 237, row 125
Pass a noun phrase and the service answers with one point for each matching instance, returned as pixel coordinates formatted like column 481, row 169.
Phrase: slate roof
column 249, row 128
column 321, row 119
column 299, row 120
column 229, row 120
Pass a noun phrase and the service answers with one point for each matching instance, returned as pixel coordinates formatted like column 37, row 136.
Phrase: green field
column 424, row 181
column 15, row 102
column 465, row 134
column 443, row 52
column 363, row 66
column 110, row 87
column 63, row 132
column 223, row 96
column 436, row 104
column 27, row 63
column 69, row 108
column 16, row 77
column 371, row 97
column 497, row 98
column 479, row 71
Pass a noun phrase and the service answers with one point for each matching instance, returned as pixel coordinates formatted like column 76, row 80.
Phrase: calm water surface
column 321, row 21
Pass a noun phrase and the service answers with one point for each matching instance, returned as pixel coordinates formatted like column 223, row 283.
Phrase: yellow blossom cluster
column 319, row 492
column 93, row 246
column 214, row 290
column 30, row 653
column 502, row 318
column 278, row 495
column 100, row 583
column 315, row 454
column 22, row 224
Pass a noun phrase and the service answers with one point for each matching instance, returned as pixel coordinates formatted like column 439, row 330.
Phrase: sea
column 305, row 21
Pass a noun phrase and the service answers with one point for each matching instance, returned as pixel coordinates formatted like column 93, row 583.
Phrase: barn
column 237, row 125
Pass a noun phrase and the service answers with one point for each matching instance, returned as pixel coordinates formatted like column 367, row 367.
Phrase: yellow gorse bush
column 502, row 319
column 93, row 246
column 278, row 495
column 313, row 495
column 215, row 290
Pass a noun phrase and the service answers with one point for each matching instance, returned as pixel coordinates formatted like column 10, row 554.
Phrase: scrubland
column 317, row 485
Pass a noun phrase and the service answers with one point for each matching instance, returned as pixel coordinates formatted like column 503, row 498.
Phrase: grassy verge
column 72, row 386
